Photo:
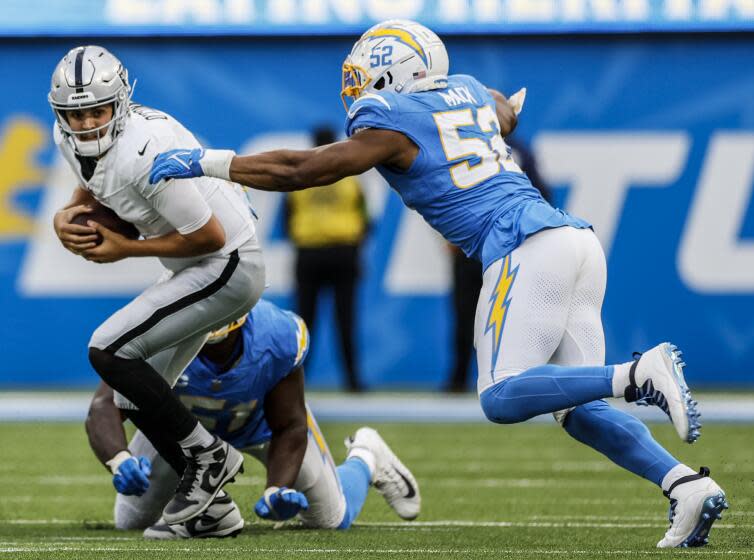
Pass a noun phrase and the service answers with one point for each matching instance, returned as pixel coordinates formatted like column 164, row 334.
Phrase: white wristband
column 115, row 463
column 216, row 163
column 269, row 491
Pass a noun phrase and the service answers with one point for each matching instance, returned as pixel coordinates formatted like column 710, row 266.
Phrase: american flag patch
column 420, row 74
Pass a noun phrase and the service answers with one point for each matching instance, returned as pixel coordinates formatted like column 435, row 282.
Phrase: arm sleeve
column 182, row 205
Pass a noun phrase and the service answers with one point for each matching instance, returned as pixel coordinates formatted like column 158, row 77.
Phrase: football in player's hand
column 106, row 217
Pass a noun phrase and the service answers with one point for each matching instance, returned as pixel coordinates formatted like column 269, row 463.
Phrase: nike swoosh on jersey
column 141, row 152
column 411, row 492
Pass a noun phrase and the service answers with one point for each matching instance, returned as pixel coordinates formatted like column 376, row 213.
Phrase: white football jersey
column 120, row 181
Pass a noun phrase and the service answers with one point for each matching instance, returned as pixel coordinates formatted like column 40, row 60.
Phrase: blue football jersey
column 464, row 181
column 231, row 404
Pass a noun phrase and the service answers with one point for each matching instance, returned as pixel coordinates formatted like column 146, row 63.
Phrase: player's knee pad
column 103, row 362
column 110, row 367
column 134, row 379
column 104, row 338
column 500, row 409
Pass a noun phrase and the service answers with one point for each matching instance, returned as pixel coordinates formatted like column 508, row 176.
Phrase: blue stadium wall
column 650, row 136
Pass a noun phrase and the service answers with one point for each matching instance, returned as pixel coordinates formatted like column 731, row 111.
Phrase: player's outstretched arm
column 291, row 170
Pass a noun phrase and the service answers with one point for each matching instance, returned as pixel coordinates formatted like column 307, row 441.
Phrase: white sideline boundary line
column 440, row 524
column 527, row 524
column 397, row 407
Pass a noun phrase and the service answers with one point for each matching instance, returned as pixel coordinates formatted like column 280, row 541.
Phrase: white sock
column 674, row 474
column 198, row 436
column 620, row 378
column 366, row 456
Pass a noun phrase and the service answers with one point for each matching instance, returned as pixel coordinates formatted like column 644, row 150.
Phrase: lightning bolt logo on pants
column 500, row 301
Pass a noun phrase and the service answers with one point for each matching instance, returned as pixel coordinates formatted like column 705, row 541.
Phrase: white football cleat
column 656, row 378
column 696, row 502
column 391, row 477
column 221, row 519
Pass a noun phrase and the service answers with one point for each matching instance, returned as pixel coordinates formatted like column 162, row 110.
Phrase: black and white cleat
column 207, row 471
column 221, row 519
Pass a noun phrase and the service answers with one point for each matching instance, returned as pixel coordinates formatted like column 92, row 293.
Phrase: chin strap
column 703, row 473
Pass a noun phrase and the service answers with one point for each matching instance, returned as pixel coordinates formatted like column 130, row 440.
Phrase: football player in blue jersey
column 247, row 387
column 438, row 139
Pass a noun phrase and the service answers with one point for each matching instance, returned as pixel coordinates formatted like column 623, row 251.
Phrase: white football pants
column 542, row 304
column 168, row 323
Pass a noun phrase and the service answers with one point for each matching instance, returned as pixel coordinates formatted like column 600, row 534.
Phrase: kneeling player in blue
column 438, row 139
column 247, row 387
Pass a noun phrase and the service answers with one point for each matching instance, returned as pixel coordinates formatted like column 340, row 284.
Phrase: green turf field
column 525, row 491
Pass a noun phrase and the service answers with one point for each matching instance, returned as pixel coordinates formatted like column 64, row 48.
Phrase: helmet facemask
column 355, row 80
column 105, row 134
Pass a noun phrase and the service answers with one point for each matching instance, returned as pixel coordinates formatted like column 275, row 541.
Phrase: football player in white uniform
column 203, row 234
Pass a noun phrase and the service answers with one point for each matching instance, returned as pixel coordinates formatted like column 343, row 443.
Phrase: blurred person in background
column 327, row 226
column 247, row 387
column 467, row 282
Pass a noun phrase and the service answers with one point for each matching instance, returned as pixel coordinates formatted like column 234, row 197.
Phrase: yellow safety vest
column 330, row 215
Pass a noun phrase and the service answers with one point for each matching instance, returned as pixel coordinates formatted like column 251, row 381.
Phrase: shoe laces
column 671, row 511
column 190, row 476
column 648, row 395
column 390, row 482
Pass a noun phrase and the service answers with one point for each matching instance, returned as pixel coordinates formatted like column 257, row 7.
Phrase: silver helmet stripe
column 79, row 71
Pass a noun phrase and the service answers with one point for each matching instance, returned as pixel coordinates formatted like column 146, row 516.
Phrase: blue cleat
column 656, row 378
column 696, row 502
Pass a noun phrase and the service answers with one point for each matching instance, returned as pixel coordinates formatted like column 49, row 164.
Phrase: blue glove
column 280, row 504
column 132, row 476
column 177, row 164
